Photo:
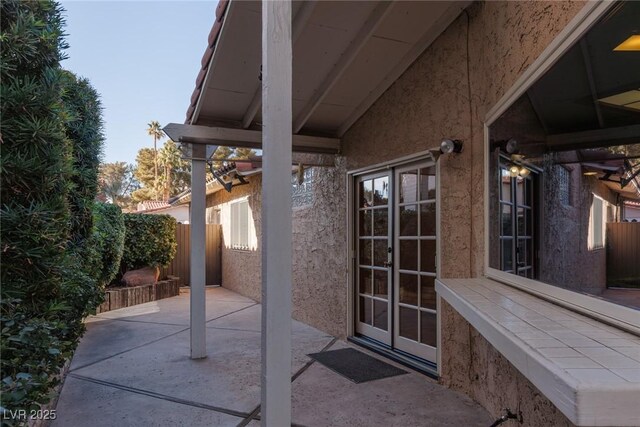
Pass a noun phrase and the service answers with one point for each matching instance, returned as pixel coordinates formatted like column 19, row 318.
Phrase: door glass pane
column 505, row 187
column 408, row 289
column 381, row 222
column 428, row 183
column 506, row 220
column 380, row 284
column 365, row 310
column 428, row 219
column 409, row 255
column 365, row 223
column 381, row 191
column 428, row 256
column 428, row 328
column 380, row 316
column 507, row 254
column 365, row 281
column 380, row 252
column 408, row 323
column 408, row 186
column 521, row 222
column 365, row 252
column 427, row 292
column 409, row 220
column 366, row 194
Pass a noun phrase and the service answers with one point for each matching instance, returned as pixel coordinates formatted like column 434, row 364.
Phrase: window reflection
column 564, row 203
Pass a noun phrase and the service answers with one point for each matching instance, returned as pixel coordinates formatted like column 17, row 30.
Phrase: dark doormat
column 356, row 365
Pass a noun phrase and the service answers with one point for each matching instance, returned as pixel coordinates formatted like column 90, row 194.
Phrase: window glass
column 240, row 225
column 564, row 175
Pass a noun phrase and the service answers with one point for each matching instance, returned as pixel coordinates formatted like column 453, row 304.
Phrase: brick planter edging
column 126, row 297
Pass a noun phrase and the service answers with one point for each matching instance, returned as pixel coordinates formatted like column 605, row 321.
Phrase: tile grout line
column 160, row 396
column 254, row 414
column 153, row 341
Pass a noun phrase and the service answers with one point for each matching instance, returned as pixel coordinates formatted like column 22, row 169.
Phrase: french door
column 396, row 258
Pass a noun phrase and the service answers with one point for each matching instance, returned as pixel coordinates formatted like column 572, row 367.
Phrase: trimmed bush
column 109, row 232
column 150, row 240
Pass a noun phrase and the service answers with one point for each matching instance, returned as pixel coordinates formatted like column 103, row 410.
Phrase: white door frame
column 351, row 176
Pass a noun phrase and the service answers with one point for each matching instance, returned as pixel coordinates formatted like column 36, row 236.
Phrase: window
column 240, row 225
column 583, row 172
column 596, row 224
column 302, row 194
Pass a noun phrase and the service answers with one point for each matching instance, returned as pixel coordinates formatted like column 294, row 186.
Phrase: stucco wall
column 568, row 261
column 319, row 268
column 473, row 366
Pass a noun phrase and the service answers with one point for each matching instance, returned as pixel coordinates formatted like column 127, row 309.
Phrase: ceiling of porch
column 345, row 55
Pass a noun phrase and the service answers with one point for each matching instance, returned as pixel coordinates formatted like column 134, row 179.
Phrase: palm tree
column 155, row 131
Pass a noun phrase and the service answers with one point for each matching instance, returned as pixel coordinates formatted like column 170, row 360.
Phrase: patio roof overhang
column 345, row 56
column 318, row 66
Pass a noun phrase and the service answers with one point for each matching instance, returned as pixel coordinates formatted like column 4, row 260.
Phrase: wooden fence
column 623, row 252
column 180, row 266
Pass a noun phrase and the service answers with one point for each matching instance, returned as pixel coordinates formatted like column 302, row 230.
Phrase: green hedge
column 52, row 139
column 150, row 240
column 109, row 232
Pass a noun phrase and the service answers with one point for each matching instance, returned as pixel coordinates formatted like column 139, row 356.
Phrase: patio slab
column 133, row 368
column 86, row 403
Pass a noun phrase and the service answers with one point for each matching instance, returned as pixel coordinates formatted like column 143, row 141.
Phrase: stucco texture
column 319, row 270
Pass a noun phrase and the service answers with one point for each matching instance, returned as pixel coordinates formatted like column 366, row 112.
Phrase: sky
column 143, row 58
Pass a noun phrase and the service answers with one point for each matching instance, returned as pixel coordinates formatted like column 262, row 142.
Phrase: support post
column 276, row 213
column 197, row 256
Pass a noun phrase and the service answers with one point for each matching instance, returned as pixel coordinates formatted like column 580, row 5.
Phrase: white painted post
column 276, row 213
column 197, row 261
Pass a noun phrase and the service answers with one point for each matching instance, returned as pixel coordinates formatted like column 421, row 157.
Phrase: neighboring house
column 484, row 267
column 180, row 213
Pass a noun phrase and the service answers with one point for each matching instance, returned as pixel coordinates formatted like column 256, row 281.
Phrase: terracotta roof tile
column 206, row 58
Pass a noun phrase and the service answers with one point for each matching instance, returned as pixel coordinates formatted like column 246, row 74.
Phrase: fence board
column 180, row 265
column 623, row 251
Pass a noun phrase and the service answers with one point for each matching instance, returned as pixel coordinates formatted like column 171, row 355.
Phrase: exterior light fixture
column 511, row 146
column 450, row 146
column 524, row 172
column 514, row 171
column 632, row 44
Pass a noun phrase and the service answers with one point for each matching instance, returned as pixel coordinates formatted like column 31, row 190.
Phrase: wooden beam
column 230, row 137
column 299, row 23
column 347, row 57
column 421, row 45
column 594, row 138
column 276, row 214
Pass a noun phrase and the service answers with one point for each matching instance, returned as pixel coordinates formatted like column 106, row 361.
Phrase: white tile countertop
column 589, row 370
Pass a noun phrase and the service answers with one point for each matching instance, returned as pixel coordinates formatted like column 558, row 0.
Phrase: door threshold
column 423, row 366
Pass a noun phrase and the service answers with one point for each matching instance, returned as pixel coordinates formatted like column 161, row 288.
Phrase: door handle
column 387, row 264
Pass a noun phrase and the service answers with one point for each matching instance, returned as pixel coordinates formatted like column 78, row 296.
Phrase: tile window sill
column 589, row 370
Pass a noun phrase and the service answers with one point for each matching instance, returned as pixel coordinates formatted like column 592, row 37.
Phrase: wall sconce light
column 518, row 171
column 451, row 146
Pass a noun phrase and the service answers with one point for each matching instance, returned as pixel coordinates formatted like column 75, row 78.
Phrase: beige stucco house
column 486, row 267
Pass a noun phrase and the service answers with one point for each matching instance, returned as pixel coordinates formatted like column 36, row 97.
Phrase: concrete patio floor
column 132, row 368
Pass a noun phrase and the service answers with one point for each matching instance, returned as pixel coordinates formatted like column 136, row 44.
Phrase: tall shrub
column 51, row 139
column 109, row 231
column 150, row 240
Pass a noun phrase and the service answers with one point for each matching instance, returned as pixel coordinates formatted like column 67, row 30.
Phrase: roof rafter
column 300, row 21
column 347, row 57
